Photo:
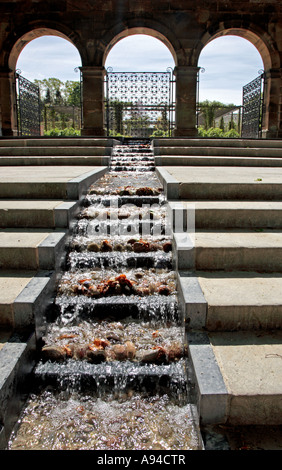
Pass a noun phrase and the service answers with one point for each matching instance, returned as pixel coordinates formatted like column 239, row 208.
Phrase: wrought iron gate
column 28, row 107
column 139, row 104
column 252, row 108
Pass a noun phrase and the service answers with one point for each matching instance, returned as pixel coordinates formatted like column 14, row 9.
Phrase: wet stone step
column 125, row 183
column 121, row 244
column 123, row 168
column 157, row 309
column 115, row 329
column 104, row 378
column 133, row 228
column 117, row 260
column 97, row 341
column 118, row 201
column 132, row 160
column 63, row 417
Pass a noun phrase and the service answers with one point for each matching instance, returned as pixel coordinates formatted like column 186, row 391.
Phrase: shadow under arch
column 140, row 30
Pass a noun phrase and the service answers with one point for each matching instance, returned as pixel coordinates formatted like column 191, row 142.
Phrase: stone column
column 93, row 101
column 8, row 123
column 186, row 100
column 272, row 109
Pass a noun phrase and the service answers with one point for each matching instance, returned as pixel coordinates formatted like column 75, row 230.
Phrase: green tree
column 72, row 93
column 53, row 84
column 208, row 110
column 221, row 125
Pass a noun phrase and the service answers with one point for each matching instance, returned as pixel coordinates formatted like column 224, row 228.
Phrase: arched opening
column 46, row 62
column 139, row 84
column 140, row 48
column 229, row 63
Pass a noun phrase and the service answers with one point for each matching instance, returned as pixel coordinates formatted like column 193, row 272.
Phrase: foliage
column 160, row 133
column 216, row 132
column 60, row 104
column 208, row 109
column 54, row 91
column 67, row 132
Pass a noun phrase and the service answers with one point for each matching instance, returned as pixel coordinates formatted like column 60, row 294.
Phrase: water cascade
column 113, row 367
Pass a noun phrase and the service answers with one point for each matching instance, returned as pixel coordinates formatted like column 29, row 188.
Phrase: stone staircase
column 229, row 272
column 229, row 267
column 41, row 184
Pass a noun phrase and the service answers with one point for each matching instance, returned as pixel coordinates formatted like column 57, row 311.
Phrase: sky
column 226, row 68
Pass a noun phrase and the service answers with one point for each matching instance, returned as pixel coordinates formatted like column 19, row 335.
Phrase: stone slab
column 243, row 143
column 56, row 142
column 17, row 360
column 78, row 160
column 238, row 249
column 221, row 183
column 218, row 151
column 36, row 213
column 29, row 249
column 210, row 388
column 24, row 297
column 202, row 160
column 237, row 376
column 50, row 151
column 251, row 365
column 191, row 300
column 229, row 214
column 229, row 250
column 242, row 300
column 11, row 285
column 66, row 182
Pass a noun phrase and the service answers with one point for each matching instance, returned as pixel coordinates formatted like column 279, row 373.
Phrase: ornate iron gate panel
column 139, row 104
column 252, row 108
column 28, row 107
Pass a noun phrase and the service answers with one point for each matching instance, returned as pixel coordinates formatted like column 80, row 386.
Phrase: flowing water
column 113, row 367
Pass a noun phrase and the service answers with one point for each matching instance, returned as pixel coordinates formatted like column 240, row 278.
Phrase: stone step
column 49, row 182
column 54, row 151
column 31, row 249
column 231, row 301
column 221, row 183
column 57, row 142
column 61, row 160
column 229, row 250
column 158, row 144
column 238, row 376
column 202, row 160
column 17, row 360
column 227, row 214
column 24, row 297
column 37, row 213
column 220, row 151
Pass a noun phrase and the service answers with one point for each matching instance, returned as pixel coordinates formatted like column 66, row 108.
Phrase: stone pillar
column 8, row 123
column 272, row 106
column 186, row 100
column 93, row 101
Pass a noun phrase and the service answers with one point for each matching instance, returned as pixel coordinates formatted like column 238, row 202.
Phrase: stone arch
column 260, row 39
column 163, row 34
column 14, row 47
column 267, row 49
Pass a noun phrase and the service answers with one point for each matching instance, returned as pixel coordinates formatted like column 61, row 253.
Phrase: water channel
column 113, row 371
